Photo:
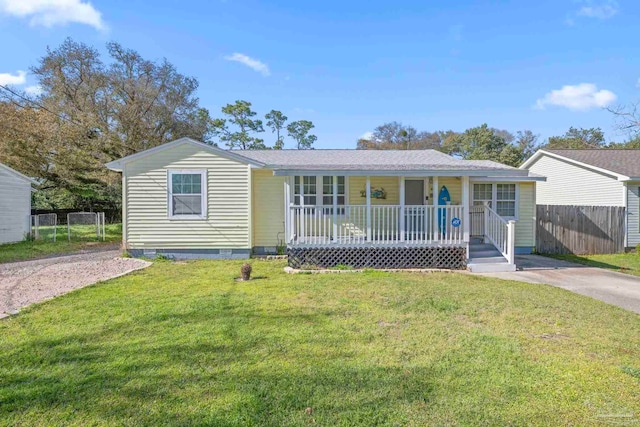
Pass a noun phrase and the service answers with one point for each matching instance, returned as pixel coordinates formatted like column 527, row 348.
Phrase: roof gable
column 623, row 164
column 16, row 174
column 117, row 165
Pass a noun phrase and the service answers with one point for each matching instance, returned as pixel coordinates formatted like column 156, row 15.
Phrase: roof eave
column 419, row 172
column 118, row 165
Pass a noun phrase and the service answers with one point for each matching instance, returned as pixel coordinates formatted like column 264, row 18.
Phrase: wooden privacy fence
column 580, row 229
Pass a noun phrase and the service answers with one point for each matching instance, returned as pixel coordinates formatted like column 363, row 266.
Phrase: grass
column 623, row 263
column 83, row 236
column 184, row 344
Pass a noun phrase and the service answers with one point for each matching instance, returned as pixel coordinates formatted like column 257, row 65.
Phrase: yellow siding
column 147, row 222
column 526, row 224
column 454, row 185
column 268, row 208
column 391, row 185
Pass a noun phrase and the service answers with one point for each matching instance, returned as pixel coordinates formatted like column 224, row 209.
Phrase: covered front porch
column 394, row 221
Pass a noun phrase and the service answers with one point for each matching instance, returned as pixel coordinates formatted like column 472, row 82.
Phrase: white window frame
column 203, row 193
column 494, row 197
column 319, row 189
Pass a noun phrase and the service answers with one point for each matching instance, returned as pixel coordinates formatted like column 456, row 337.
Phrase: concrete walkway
column 614, row 288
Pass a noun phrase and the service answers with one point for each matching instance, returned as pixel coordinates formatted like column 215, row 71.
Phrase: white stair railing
column 501, row 233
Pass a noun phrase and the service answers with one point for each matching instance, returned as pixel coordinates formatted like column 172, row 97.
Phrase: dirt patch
column 27, row 282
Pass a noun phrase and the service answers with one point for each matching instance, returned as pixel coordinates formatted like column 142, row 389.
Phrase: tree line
column 92, row 110
column 486, row 143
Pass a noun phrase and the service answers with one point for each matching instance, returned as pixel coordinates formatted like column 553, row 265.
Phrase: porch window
column 327, row 190
column 482, row 194
column 309, row 187
column 500, row 197
column 187, row 194
column 506, row 200
column 318, row 190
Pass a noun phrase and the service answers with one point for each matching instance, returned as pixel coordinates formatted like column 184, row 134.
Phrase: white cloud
column 11, row 79
column 598, row 9
column 49, row 13
column 252, row 63
column 581, row 97
column 367, row 135
column 34, row 90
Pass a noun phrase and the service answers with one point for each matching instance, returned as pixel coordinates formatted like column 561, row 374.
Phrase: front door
column 414, row 211
column 414, row 192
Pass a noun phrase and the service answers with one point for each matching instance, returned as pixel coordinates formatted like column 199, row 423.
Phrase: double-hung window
column 506, row 200
column 318, row 190
column 187, row 194
column 308, row 188
column 500, row 197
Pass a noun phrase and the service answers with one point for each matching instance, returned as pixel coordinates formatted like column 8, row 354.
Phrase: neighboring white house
column 601, row 177
column 15, row 204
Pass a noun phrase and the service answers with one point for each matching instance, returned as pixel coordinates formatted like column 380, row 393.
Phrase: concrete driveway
column 618, row 289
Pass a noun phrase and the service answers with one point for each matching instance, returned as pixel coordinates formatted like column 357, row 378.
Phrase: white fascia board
column 117, row 165
column 420, row 173
column 541, row 153
column 531, row 178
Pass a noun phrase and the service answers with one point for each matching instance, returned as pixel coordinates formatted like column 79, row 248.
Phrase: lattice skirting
column 379, row 257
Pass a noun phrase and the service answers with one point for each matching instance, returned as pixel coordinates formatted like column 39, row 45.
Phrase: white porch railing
column 501, row 233
column 381, row 224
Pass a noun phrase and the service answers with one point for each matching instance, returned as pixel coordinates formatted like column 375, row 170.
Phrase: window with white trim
column 308, row 188
column 327, row 190
column 482, row 194
column 318, row 190
column 187, row 194
column 503, row 198
column 506, row 200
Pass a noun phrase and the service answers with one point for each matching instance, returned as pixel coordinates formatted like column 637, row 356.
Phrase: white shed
column 15, row 204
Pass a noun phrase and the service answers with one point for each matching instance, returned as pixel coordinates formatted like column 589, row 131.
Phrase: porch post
column 368, row 190
column 335, row 207
column 303, row 213
column 511, row 241
column 287, row 211
column 436, row 190
column 466, row 216
column 402, row 203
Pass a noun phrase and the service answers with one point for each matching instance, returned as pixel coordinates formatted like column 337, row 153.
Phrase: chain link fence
column 86, row 226
column 44, row 227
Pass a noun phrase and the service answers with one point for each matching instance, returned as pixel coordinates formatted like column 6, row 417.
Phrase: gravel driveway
column 27, row 282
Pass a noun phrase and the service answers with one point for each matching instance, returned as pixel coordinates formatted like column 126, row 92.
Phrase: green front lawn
column 185, row 344
column 82, row 237
column 624, row 263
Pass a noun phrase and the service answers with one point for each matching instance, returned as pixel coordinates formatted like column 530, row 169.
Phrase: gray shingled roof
column 410, row 160
column 623, row 162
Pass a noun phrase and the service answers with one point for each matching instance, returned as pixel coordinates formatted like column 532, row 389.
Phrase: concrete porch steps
column 486, row 258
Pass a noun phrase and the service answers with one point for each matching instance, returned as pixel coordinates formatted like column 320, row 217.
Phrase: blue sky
column 349, row 66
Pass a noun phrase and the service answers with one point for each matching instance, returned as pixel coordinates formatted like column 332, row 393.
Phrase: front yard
column 185, row 344
column 84, row 238
column 628, row 263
